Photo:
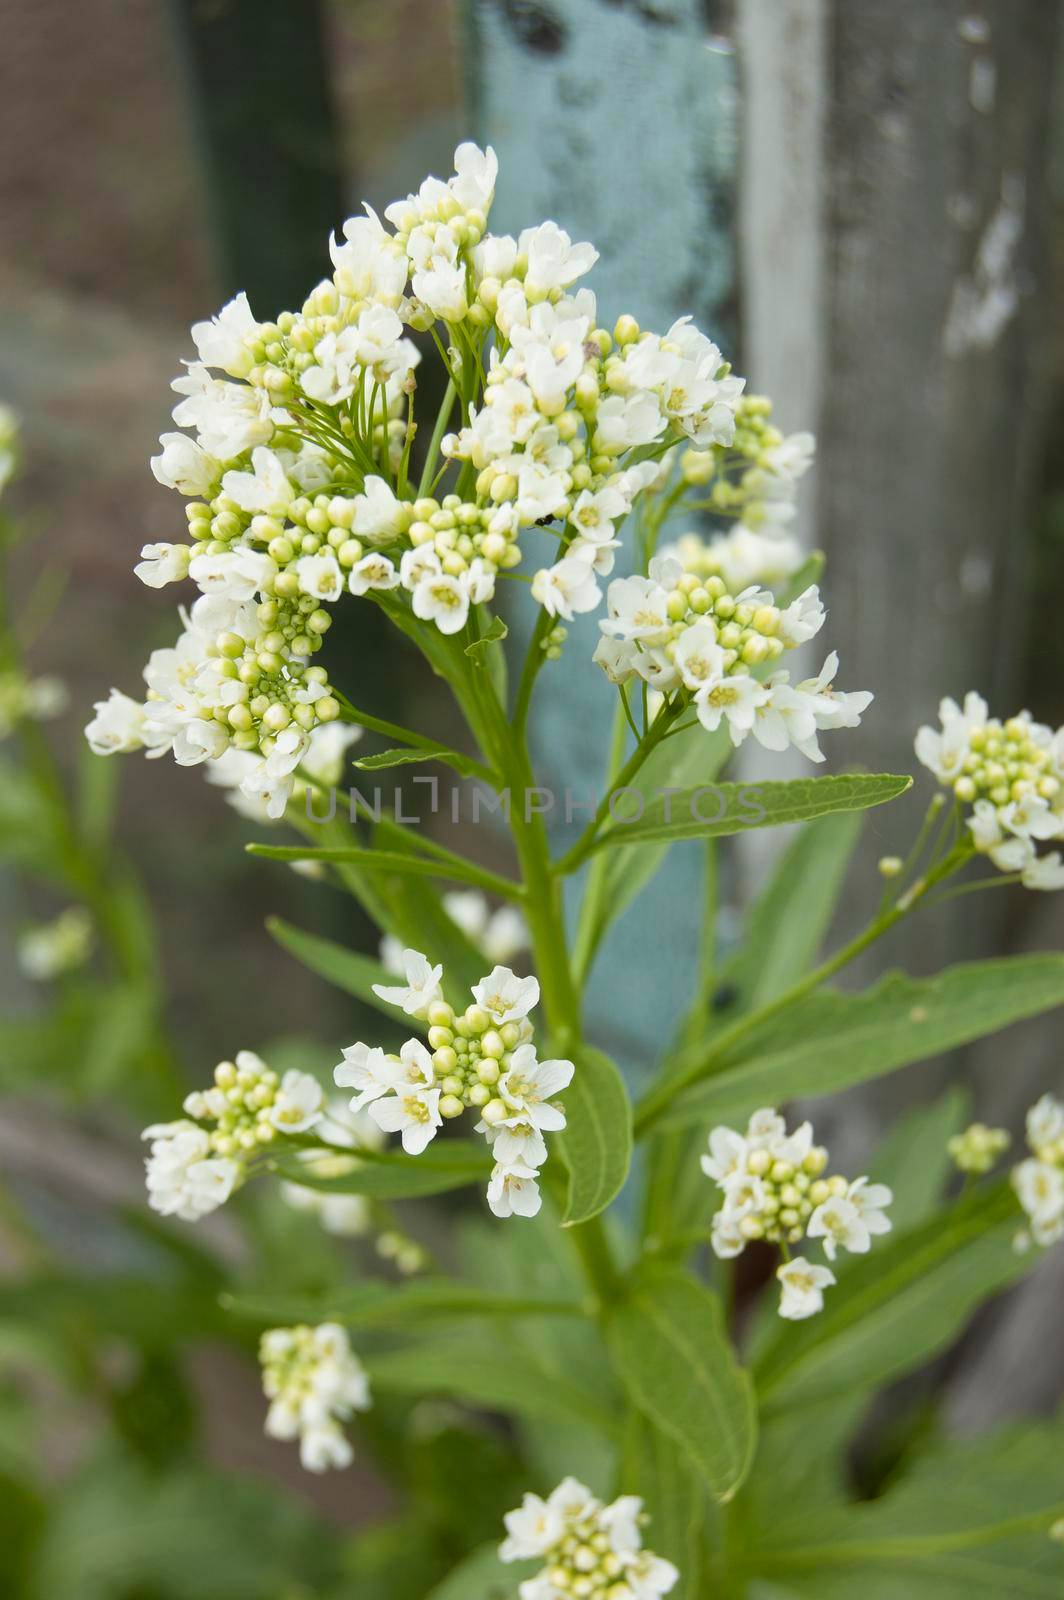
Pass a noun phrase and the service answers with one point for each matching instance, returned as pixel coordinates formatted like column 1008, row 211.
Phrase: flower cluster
column 24, row 699
column 1039, row 1181
column 588, row 1549
column 313, row 1381
column 484, row 1060
column 977, row 1148
column 681, row 631
column 196, row 1163
column 499, row 935
column 46, row 951
column 741, row 558
column 1010, row 774
column 774, row 1189
column 231, row 685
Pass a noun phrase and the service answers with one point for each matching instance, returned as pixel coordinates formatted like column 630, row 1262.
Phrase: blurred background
column 864, row 205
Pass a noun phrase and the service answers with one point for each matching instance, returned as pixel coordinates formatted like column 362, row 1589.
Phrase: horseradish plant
column 564, row 449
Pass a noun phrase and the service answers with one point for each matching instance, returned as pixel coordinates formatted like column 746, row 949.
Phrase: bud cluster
column 1011, row 774
column 775, row 1188
column 481, row 1060
column 977, row 1148
column 314, row 1382
column 590, row 1551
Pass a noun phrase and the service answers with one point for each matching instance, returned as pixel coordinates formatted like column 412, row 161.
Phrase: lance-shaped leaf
column 391, row 1175
column 597, row 1142
column 347, row 969
column 715, row 809
column 450, row 867
column 837, row 1040
column 465, row 766
column 671, row 1349
column 369, row 1305
column 898, row 1306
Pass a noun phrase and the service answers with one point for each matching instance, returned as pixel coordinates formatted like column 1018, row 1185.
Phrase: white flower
column 184, row 1178
column 734, row 697
column 378, row 514
column 373, row 572
column 616, row 657
column 803, row 1288
column 803, row 618
column 624, row 421
column 504, row 996
column 1044, row 872
column 412, row 1111
column 475, row 172
column 727, row 1155
column 223, row 341
column 513, row 1191
column 727, row 1237
column 1040, row 1189
column 637, row 610
column 237, row 575
column 298, row 1103
column 528, row 1084
column 870, row 1200
column 791, row 458
column 1045, row 1123
column 370, row 265
column 366, row 1069
column 266, row 489
column 441, row 599
column 841, row 1222
column 320, row 576
column 554, row 261
column 422, row 986
column 1030, row 818
column 161, row 564
column 117, row 725
column 229, row 418
column 567, row 589
column 944, row 752
column 532, row 1530
column 184, row 466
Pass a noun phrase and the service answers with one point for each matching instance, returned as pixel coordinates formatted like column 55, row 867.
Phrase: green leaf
column 369, row 1305
column 597, row 1142
column 475, row 1366
column 914, row 1159
column 971, row 1515
column 897, row 1307
column 467, row 766
column 674, row 1499
column 453, row 1164
column 494, row 634
column 347, row 969
column 724, row 808
column 836, row 1040
column 672, row 1350
column 482, row 1576
column 389, row 861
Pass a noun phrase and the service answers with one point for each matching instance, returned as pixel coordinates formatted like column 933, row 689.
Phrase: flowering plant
column 562, row 450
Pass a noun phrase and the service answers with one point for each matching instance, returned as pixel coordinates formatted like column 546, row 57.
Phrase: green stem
column 585, row 844
column 442, row 418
